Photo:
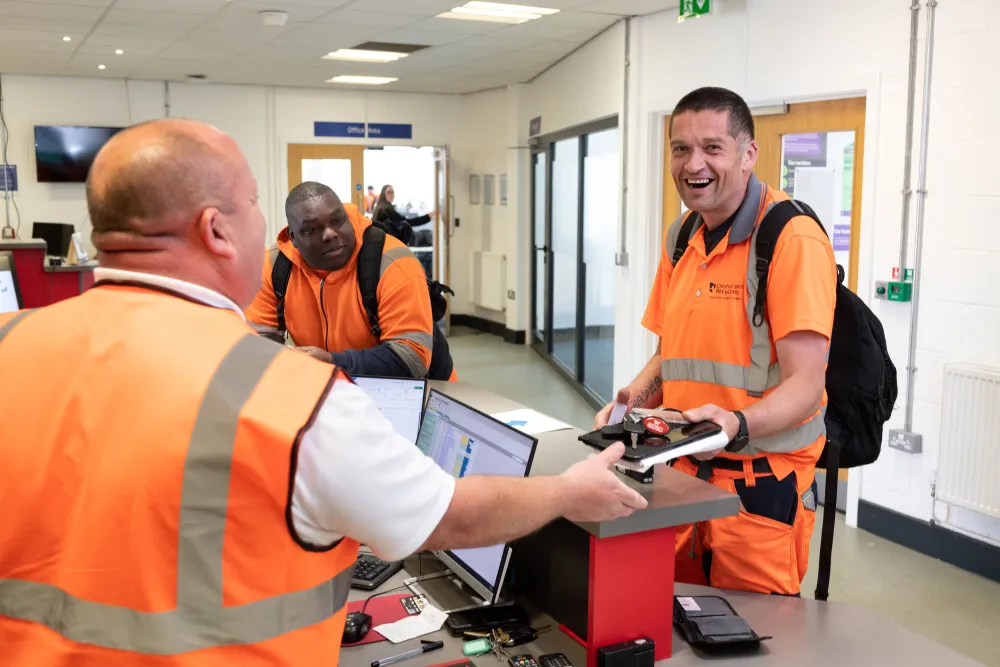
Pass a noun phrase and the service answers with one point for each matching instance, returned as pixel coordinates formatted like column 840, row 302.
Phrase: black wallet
column 709, row 621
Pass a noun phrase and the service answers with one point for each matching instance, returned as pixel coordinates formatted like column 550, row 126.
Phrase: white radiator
column 487, row 280
column 969, row 464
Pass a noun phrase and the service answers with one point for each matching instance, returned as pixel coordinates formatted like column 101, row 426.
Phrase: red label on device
column 656, row 425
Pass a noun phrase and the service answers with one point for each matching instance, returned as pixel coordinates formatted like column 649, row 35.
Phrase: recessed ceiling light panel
column 364, row 56
column 362, row 80
column 67, row 38
column 497, row 12
column 101, row 67
column 118, row 52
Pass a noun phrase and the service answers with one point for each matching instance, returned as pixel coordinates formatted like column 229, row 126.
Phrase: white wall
column 481, row 148
column 787, row 50
column 263, row 120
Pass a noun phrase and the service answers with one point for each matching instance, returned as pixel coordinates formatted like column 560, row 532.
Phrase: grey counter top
column 22, row 244
column 70, row 268
column 805, row 632
column 674, row 498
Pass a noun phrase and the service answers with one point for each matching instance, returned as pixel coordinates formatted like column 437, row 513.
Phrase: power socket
column 510, row 294
column 904, row 441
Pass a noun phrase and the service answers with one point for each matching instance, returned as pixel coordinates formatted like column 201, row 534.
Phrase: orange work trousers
column 764, row 548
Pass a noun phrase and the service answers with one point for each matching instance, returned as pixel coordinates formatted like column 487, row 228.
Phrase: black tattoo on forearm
column 648, row 393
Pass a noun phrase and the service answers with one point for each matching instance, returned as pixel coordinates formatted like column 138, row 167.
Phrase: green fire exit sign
column 695, row 8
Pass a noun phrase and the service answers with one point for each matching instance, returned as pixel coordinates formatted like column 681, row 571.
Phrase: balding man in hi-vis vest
column 757, row 372
column 179, row 491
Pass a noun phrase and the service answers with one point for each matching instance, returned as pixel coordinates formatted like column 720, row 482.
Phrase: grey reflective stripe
column 390, row 256
column 5, row 329
column 418, row 337
column 791, row 440
column 200, row 620
column 760, row 369
column 733, row 376
column 409, row 357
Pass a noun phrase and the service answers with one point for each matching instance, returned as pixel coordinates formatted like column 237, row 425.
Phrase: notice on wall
column 818, row 169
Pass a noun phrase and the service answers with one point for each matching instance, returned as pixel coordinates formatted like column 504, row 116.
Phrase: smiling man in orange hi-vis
column 187, row 493
column 762, row 379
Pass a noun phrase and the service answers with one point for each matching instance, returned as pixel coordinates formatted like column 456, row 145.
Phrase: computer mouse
column 357, row 627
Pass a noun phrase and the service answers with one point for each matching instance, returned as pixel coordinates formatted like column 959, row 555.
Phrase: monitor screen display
column 63, row 154
column 10, row 296
column 401, row 401
column 464, row 441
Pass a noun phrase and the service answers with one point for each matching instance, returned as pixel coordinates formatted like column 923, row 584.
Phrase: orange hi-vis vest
column 148, row 447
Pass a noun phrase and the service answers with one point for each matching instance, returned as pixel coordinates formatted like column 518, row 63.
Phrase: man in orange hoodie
column 323, row 308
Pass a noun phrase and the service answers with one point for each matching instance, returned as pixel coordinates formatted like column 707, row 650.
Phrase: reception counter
column 613, row 581
column 41, row 283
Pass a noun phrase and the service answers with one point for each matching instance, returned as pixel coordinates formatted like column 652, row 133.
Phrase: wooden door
column 340, row 167
column 823, row 141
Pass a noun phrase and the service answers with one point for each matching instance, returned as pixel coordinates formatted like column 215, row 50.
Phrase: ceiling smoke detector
column 274, row 18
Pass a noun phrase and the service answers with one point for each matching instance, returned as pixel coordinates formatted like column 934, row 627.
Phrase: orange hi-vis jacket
column 147, row 497
column 702, row 309
column 325, row 310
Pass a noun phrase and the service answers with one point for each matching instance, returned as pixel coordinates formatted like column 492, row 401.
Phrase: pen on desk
column 426, row 648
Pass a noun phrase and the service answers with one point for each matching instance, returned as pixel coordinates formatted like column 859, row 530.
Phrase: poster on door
column 818, row 169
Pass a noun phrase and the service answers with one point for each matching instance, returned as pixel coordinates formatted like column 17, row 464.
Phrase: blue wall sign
column 324, row 129
column 389, row 131
column 8, row 178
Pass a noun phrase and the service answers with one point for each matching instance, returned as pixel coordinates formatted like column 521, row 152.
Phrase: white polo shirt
column 355, row 476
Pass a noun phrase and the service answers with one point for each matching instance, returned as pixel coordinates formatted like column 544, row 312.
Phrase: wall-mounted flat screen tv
column 63, row 153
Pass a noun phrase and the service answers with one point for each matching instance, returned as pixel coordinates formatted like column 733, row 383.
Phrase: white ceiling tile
column 354, row 17
column 243, row 36
column 196, row 51
column 298, row 12
column 127, row 42
column 45, row 10
column 425, row 7
column 577, row 20
column 322, row 33
column 59, row 25
column 631, row 7
column 50, row 40
column 138, row 17
column 185, row 6
column 131, row 52
column 138, row 31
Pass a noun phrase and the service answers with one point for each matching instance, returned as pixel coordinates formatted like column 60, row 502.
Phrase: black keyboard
column 371, row 572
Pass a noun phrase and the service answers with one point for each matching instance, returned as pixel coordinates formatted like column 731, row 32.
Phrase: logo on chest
column 726, row 291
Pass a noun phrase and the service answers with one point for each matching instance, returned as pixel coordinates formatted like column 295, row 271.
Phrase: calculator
column 523, row 661
column 555, row 660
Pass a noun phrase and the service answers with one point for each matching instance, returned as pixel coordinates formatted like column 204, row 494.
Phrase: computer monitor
column 400, row 400
column 464, row 441
column 57, row 237
column 10, row 291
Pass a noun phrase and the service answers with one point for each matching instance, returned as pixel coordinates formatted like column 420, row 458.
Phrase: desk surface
column 674, row 498
column 805, row 632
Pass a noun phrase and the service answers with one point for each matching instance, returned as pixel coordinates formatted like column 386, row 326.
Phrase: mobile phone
column 617, row 413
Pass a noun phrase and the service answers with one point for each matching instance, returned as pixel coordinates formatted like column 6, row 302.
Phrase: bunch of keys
column 635, row 425
column 498, row 640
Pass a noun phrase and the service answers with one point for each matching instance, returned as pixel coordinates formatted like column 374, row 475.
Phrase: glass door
column 540, row 249
column 576, row 182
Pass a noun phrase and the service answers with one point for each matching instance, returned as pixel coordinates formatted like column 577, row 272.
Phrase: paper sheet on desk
column 429, row 620
column 530, row 421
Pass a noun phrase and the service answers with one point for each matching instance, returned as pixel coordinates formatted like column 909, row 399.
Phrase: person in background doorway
column 370, row 199
column 386, row 214
column 712, row 355
column 322, row 309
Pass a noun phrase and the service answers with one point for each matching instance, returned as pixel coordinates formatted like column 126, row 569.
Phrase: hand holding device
column 316, row 353
column 729, row 422
column 594, row 493
column 612, row 413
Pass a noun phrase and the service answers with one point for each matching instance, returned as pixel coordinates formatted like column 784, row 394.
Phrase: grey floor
column 949, row 605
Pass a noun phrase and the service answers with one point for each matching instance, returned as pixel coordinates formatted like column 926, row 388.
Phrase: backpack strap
column 369, row 273
column 680, row 243
column 767, row 234
column 281, row 271
column 829, row 520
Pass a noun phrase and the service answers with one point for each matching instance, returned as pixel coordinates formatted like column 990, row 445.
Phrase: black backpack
column 369, row 273
column 860, row 377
